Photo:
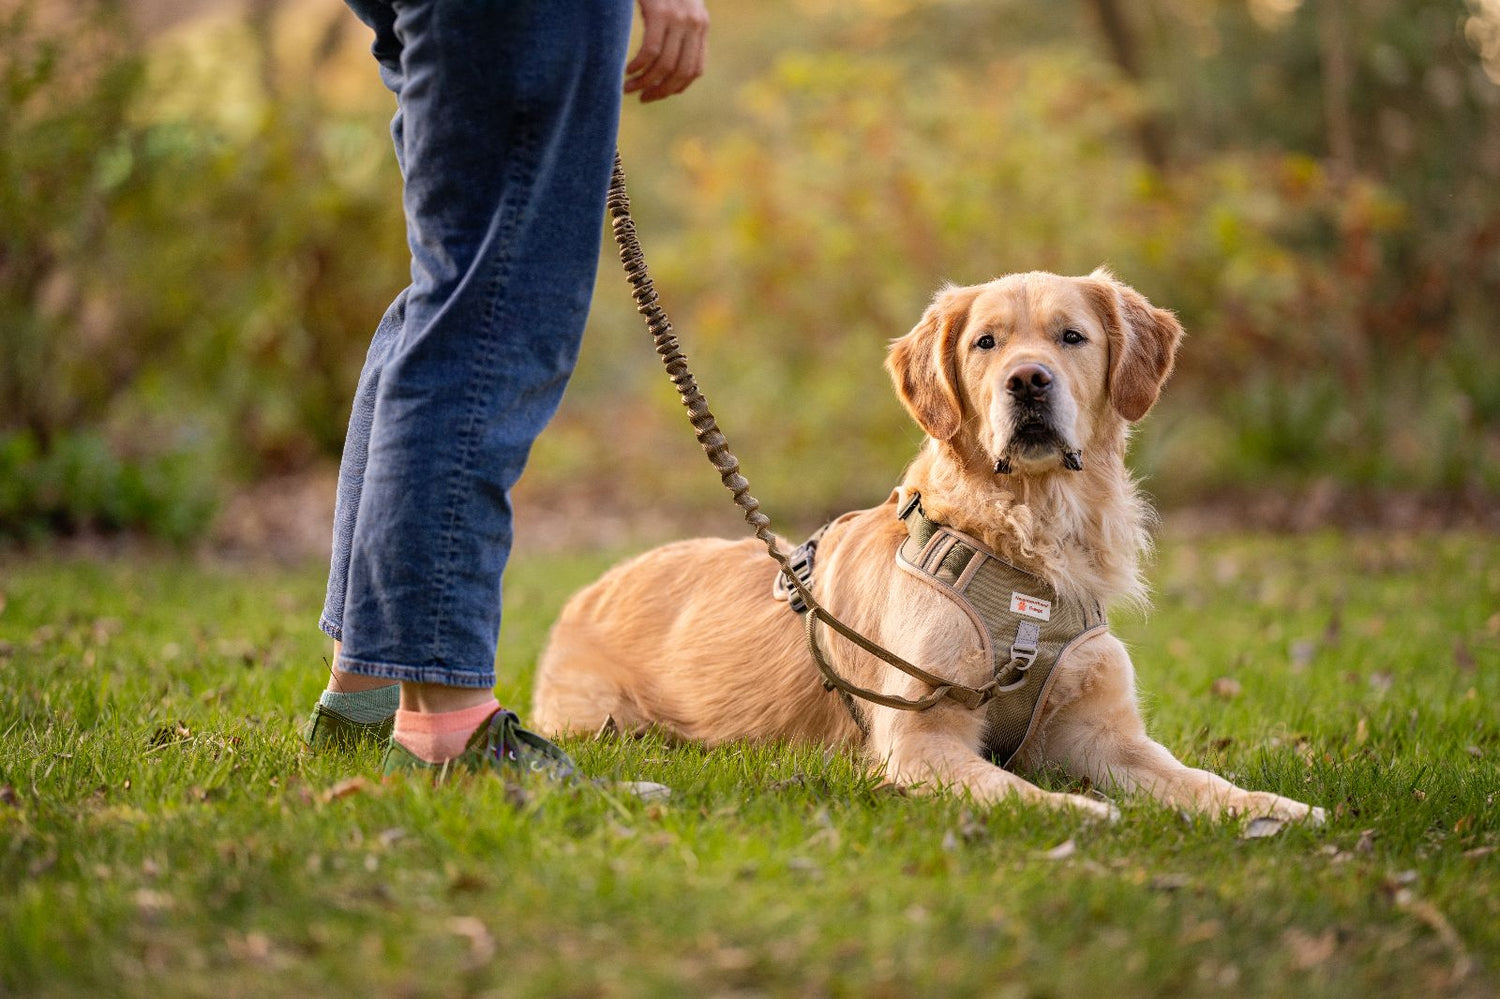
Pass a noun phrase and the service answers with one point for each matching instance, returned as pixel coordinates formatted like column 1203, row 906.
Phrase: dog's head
column 1028, row 371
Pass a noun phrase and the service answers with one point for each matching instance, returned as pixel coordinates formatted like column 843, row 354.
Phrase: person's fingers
column 657, row 82
column 698, row 60
column 652, row 35
column 673, row 49
column 690, row 66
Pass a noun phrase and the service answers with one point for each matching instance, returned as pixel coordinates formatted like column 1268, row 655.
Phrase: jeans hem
column 333, row 631
column 442, row 675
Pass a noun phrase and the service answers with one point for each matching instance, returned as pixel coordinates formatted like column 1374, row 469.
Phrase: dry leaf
column 1062, row 851
column 1226, row 687
column 1429, row 914
column 252, row 947
column 1309, row 951
column 481, row 943
column 344, row 788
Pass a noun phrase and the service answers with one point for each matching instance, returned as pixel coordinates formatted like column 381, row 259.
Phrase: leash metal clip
column 1023, row 653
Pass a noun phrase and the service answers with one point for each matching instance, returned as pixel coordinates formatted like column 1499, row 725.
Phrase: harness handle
column 716, row 446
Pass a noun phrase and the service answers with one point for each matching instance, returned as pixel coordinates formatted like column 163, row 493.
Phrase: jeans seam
column 331, row 628
column 408, row 673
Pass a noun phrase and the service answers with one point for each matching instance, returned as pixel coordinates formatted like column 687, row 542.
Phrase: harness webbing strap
column 1023, row 623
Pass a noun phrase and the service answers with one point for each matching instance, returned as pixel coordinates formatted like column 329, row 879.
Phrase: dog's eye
column 985, row 342
column 1074, row 337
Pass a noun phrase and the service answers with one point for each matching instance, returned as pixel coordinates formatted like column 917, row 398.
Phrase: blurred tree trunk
column 1124, row 50
column 1333, row 45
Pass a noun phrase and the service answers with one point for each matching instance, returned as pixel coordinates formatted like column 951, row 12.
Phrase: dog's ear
column 1142, row 344
column 922, row 363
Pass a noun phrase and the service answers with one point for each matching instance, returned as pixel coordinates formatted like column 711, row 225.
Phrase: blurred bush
column 197, row 235
column 194, row 240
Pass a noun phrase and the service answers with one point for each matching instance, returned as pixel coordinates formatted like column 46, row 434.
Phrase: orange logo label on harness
column 1020, row 603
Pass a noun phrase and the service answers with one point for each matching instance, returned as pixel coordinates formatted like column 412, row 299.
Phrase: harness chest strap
column 1020, row 622
column 1023, row 625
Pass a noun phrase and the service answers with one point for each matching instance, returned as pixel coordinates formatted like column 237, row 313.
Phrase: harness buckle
column 1023, row 653
column 910, row 506
column 801, row 563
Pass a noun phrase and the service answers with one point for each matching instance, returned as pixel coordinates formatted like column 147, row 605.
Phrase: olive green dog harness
column 1019, row 620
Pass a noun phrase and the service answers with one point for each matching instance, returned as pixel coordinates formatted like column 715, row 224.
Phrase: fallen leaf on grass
column 1227, row 688
column 1366, row 842
column 1308, row 951
column 1428, row 913
column 344, row 788
column 460, row 882
column 151, row 903
column 1170, row 882
column 1262, row 827
column 169, row 735
column 1062, row 851
column 8, row 796
column 253, row 946
column 1479, row 851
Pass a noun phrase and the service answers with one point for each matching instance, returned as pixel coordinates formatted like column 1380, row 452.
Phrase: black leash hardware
column 716, row 446
column 801, row 564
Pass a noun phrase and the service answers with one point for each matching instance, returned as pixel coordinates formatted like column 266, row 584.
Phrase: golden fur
column 687, row 637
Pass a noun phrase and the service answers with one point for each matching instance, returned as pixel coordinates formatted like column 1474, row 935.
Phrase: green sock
column 367, row 707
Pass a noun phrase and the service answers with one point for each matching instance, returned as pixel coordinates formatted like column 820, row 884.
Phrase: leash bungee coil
column 716, row 446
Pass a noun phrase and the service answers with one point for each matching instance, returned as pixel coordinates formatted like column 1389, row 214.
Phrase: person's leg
column 352, row 706
column 510, row 112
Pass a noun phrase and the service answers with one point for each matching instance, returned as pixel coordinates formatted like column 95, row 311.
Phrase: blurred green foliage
column 198, row 234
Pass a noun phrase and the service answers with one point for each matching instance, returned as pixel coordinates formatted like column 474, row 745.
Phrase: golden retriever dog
column 1026, row 388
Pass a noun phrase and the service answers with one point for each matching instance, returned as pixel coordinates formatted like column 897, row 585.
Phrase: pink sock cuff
column 444, row 722
column 441, row 735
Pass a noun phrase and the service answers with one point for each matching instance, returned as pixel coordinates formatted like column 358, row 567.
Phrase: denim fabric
column 507, row 113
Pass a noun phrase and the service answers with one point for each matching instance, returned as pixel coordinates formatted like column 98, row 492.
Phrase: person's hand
column 673, row 50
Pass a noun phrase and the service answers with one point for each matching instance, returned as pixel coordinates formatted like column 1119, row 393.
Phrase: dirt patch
column 289, row 519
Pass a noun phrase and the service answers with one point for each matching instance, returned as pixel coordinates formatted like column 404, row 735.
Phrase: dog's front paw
column 1093, row 809
column 1264, row 805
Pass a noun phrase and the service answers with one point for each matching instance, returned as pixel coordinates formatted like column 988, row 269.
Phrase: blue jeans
column 505, row 128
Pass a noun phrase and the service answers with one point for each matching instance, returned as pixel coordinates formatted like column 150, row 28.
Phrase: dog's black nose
column 1029, row 382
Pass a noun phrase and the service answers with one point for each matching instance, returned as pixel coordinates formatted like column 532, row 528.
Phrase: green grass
column 162, row 833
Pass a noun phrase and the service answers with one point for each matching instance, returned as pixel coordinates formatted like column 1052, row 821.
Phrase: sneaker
column 501, row 746
column 329, row 728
